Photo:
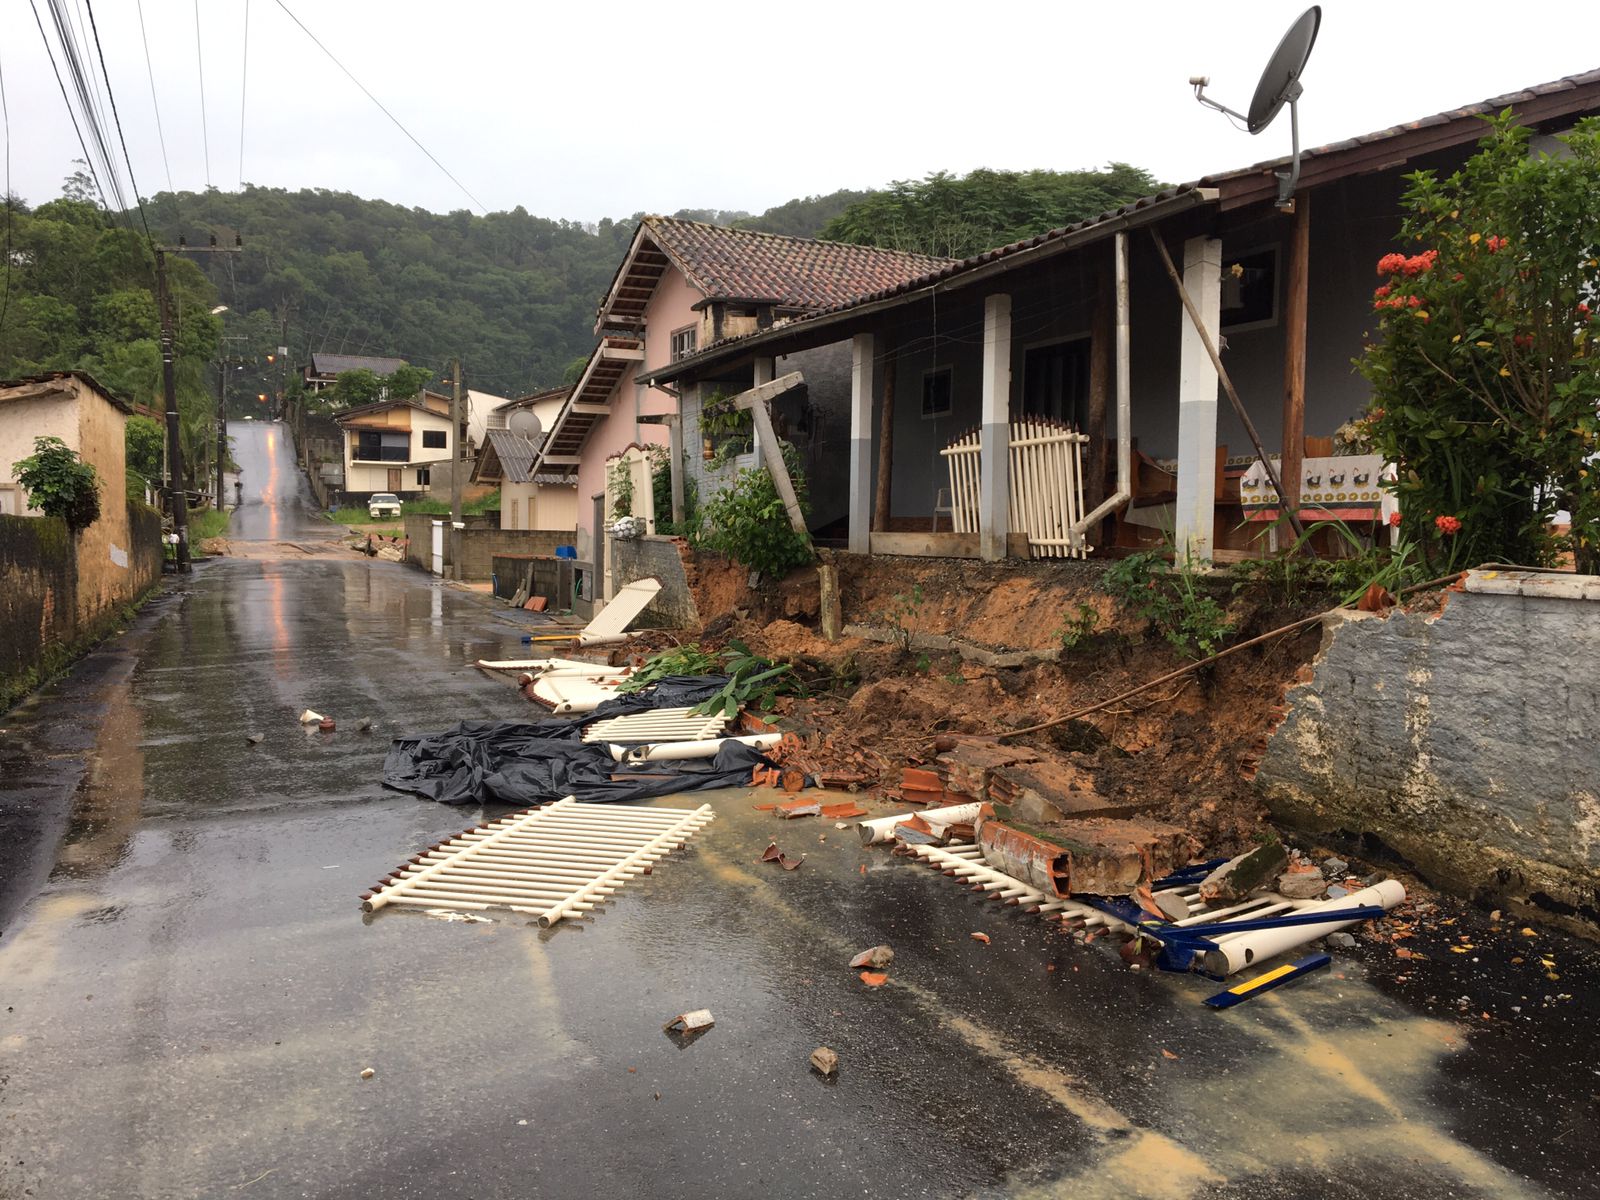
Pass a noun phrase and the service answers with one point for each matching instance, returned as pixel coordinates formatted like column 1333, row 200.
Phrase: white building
column 391, row 446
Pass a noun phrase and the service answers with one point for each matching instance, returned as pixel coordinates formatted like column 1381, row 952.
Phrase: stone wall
column 669, row 560
column 57, row 597
column 481, row 540
column 1463, row 741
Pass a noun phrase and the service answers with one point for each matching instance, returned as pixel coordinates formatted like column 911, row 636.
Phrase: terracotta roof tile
column 791, row 272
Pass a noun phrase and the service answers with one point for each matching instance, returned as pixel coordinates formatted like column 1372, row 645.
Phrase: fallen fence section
column 1218, row 942
column 657, row 725
column 558, row 861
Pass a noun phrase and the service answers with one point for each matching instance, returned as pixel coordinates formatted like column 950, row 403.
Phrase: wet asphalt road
column 190, row 991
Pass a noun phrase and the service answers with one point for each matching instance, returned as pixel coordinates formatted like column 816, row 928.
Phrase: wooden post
column 831, row 611
column 1100, row 342
column 755, row 402
column 881, row 504
column 1294, row 354
column 675, row 464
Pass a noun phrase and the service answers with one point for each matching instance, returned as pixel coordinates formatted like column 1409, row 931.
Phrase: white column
column 1197, row 402
column 763, row 374
column 994, row 454
column 863, row 387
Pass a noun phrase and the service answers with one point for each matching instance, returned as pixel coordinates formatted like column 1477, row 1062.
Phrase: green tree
column 957, row 216
column 143, row 438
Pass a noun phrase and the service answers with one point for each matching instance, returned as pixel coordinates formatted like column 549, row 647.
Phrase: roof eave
column 1132, row 219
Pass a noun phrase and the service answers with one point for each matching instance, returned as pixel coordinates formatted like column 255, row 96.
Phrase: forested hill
column 513, row 294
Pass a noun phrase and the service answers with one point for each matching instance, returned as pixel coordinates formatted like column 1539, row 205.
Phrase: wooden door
column 394, row 479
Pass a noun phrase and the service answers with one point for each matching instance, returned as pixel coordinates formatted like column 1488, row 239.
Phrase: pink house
column 683, row 286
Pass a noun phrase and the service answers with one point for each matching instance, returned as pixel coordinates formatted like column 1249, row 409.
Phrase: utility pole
column 223, row 362
column 455, row 472
column 177, row 502
column 177, row 498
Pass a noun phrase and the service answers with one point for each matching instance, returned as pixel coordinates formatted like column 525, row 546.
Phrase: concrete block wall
column 668, row 559
column 1465, row 742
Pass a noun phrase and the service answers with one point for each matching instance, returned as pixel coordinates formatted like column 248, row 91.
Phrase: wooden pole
column 755, row 402
column 455, row 472
column 177, row 498
column 1294, row 355
column 883, row 501
column 1222, row 374
column 1100, row 342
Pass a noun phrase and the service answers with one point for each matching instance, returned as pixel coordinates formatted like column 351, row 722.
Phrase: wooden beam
column 1222, row 374
column 1100, row 378
column 593, row 410
column 755, row 402
column 884, row 499
column 625, row 354
column 1296, row 302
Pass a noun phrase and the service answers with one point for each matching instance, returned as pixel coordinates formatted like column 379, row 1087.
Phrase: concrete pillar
column 863, row 384
column 1197, row 402
column 763, row 368
column 994, row 454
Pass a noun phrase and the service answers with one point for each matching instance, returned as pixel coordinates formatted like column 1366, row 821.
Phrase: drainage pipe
column 673, row 751
column 881, row 829
column 1236, row 951
column 1078, row 534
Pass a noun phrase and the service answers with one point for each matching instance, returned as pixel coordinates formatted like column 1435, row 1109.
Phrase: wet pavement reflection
column 192, row 993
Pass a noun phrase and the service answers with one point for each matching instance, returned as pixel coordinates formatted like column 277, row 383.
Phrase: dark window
column 1250, row 289
column 684, row 342
column 424, row 477
column 373, row 445
column 1055, row 381
column 937, row 392
column 433, row 439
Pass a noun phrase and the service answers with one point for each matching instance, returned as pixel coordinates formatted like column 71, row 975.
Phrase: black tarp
column 532, row 762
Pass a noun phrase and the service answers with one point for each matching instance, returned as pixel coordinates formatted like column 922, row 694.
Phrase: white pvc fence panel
column 558, row 861
column 1046, row 484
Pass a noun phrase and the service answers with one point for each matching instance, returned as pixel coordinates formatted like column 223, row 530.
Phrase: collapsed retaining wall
column 669, row 560
column 1464, row 741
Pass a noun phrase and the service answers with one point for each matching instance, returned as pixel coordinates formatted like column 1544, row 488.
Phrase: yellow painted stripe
column 1244, row 988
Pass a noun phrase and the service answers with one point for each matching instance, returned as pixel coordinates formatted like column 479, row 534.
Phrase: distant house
column 392, row 446
column 683, row 286
column 961, row 371
column 71, row 406
column 528, row 500
column 325, row 369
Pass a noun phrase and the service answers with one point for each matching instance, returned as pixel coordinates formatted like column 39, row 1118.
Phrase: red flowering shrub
column 1486, row 386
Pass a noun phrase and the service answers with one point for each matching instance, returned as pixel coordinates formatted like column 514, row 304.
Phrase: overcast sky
column 585, row 110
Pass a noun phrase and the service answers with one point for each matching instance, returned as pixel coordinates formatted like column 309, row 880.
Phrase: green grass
column 206, row 523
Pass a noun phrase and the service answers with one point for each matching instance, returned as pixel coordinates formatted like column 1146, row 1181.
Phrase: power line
column 381, row 108
column 244, row 79
column 154, row 103
column 82, row 145
column 117, row 117
column 200, row 61
column 83, row 83
column 5, row 114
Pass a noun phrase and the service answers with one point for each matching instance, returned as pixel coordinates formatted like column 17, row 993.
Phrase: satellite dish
column 1280, row 85
column 525, row 423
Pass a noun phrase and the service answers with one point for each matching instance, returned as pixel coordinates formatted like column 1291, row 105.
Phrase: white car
column 383, row 504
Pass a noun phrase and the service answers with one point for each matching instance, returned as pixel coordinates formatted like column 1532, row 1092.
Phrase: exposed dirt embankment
column 1183, row 752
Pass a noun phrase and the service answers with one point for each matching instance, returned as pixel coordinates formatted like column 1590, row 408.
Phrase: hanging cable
column 200, row 62
column 381, row 108
column 154, row 103
column 244, row 79
column 108, row 179
column 70, row 113
column 5, row 115
column 117, row 117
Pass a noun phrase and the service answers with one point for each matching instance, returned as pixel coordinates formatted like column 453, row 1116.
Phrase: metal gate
column 558, row 861
column 1046, row 484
